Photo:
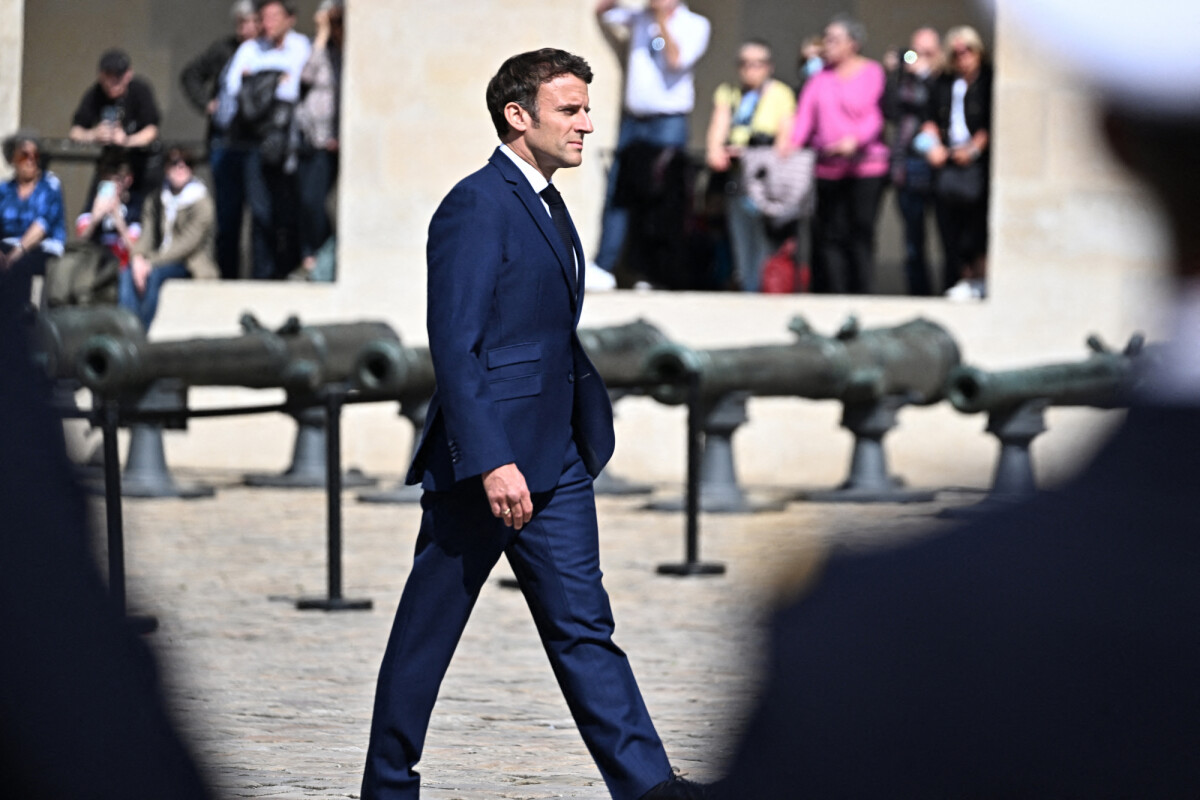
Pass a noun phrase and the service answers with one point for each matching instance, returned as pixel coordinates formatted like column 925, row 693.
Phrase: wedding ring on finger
column 508, row 512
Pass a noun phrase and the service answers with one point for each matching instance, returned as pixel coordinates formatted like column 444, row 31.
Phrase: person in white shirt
column 665, row 40
column 274, row 60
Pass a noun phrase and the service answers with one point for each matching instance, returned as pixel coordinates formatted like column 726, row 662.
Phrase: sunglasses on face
column 25, row 155
column 752, row 62
column 959, row 52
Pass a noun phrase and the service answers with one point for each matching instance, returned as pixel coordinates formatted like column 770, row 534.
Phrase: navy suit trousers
column 556, row 561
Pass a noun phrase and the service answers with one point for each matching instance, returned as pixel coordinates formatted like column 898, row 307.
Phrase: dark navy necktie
column 562, row 221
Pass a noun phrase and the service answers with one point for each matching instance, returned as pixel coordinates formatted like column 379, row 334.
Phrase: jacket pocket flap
column 510, row 388
column 514, row 354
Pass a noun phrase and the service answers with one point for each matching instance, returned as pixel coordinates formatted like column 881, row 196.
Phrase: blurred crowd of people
column 796, row 174
column 271, row 98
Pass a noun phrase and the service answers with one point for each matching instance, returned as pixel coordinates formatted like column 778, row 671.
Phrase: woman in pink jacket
column 839, row 116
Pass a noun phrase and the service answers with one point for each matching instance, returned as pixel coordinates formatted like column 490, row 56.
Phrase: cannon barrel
column 389, row 368
column 297, row 358
column 59, row 334
column 619, row 352
column 911, row 360
column 1101, row 381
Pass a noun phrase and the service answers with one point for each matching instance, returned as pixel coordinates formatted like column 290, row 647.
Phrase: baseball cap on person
column 1144, row 55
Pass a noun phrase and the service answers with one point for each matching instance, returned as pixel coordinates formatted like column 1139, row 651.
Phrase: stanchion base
column 618, row 487
column 858, row 495
column 718, row 505
column 332, row 604
column 142, row 625
column 400, row 495
column 351, row 479
column 689, row 568
column 183, row 491
column 989, row 505
column 154, row 489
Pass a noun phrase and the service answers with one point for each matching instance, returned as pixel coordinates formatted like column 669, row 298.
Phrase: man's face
column 663, row 6
column 927, row 46
column 115, row 85
column 555, row 139
column 276, row 22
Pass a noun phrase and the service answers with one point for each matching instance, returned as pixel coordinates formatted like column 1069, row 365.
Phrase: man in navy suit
column 1053, row 650
column 519, row 425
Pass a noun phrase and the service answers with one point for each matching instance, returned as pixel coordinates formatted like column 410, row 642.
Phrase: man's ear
column 517, row 117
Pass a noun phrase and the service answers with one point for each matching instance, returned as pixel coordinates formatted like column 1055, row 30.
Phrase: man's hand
column 508, row 495
column 141, row 271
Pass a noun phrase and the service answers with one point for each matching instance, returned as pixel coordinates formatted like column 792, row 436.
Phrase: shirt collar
column 536, row 179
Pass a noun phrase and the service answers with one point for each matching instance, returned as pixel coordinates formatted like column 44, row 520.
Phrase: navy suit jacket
column 1051, row 651
column 513, row 381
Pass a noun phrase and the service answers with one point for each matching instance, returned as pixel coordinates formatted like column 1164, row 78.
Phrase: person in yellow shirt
column 748, row 113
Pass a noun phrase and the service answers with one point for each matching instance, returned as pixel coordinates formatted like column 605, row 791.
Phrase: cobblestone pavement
column 277, row 701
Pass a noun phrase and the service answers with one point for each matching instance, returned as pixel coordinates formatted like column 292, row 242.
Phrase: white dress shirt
column 651, row 87
column 538, row 181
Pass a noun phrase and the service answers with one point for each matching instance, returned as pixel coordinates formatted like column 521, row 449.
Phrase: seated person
column 119, row 110
column 32, row 222
column 178, row 230
column 107, row 221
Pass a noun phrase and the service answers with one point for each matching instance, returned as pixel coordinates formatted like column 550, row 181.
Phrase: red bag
column 781, row 274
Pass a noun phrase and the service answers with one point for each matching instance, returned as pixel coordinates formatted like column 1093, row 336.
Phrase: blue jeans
column 316, row 175
column 228, row 165
column 271, row 193
column 668, row 130
column 749, row 238
column 145, row 305
column 913, row 204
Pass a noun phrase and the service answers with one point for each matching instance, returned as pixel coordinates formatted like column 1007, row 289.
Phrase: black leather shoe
column 677, row 788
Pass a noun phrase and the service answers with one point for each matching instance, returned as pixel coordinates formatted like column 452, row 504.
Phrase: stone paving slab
column 277, row 702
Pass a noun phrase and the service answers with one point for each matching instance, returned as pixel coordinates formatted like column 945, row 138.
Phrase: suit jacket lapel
column 533, row 204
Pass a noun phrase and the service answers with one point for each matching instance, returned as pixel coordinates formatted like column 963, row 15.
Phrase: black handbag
column 961, row 183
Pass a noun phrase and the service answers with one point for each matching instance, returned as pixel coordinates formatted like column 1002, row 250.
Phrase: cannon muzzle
column 619, row 352
column 59, row 335
column 1101, row 381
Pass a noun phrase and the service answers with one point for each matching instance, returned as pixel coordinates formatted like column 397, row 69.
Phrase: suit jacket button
column 570, row 377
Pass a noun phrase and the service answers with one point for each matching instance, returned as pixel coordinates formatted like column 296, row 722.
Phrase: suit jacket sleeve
column 465, row 256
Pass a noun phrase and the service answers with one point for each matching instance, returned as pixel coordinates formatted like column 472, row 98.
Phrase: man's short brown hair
column 520, row 77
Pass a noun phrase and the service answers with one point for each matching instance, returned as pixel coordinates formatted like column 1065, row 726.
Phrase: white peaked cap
column 1141, row 54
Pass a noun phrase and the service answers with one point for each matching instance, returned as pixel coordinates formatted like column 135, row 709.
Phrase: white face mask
column 813, row 66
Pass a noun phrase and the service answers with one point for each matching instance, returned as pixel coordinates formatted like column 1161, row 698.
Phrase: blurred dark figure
column 959, row 128
column 1052, row 650
column 318, row 120
column 905, row 104
column 33, row 227
column 119, row 112
column 81, row 715
column 203, row 80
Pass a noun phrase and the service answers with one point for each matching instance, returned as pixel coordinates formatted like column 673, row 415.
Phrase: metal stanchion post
column 110, row 425
column 335, row 397
column 693, row 565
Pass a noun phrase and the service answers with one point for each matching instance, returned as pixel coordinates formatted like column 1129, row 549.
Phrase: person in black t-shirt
column 119, row 110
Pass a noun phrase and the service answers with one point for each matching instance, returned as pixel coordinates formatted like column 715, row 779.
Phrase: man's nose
column 584, row 124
